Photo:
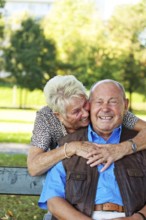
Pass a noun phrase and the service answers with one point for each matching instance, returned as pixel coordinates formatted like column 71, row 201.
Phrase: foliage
column 99, row 50
column 30, row 58
column 126, row 50
column 82, row 44
column 2, row 3
column 76, row 32
column 1, row 40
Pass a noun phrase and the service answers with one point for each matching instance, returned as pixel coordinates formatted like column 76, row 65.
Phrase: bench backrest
column 17, row 181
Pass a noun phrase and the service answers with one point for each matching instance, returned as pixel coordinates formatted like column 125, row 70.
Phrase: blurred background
column 91, row 39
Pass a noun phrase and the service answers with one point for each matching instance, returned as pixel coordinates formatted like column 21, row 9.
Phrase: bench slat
column 17, row 181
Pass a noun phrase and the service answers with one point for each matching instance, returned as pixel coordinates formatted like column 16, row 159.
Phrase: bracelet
column 142, row 215
column 134, row 146
column 65, row 145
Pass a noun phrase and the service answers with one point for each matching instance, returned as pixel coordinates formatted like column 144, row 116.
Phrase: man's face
column 107, row 108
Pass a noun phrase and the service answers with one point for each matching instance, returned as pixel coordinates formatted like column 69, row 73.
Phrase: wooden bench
column 17, row 181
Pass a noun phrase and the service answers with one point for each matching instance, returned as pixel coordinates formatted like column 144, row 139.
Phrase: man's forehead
column 105, row 84
column 106, row 87
column 106, row 97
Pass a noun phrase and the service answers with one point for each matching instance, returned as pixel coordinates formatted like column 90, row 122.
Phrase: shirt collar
column 113, row 139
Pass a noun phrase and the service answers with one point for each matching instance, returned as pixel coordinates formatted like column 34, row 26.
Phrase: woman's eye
column 76, row 112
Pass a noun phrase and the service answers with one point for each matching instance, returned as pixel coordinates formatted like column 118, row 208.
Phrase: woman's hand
column 101, row 153
column 83, row 148
column 107, row 153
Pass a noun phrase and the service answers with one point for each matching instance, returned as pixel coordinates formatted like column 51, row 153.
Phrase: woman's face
column 77, row 114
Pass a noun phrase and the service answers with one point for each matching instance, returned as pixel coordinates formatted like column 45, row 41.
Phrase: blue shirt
column 107, row 188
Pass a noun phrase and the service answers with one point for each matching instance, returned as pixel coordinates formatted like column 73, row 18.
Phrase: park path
column 17, row 148
column 15, row 127
column 14, row 148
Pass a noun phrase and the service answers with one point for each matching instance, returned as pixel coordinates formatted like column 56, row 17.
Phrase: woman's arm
column 39, row 161
column 108, row 153
column 40, row 158
column 139, row 125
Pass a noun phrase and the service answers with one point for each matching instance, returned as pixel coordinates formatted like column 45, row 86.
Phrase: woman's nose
column 85, row 112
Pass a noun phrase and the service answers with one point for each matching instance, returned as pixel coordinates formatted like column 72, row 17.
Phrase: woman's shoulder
column 46, row 114
column 45, row 110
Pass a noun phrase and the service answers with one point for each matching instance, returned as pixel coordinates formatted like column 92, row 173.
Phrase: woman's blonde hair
column 60, row 90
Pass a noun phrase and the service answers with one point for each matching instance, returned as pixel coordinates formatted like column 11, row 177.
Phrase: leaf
column 10, row 213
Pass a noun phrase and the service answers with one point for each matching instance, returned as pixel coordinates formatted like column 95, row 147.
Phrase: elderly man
column 75, row 191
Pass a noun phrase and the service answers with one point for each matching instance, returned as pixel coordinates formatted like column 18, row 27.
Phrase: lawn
column 16, row 125
column 10, row 97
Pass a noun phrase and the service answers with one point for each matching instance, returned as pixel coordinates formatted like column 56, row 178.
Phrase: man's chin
column 105, row 129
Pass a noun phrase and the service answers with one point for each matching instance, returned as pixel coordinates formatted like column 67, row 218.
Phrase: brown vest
column 81, row 182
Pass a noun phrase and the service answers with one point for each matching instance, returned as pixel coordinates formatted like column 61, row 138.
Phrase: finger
column 95, row 162
column 93, row 153
column 94, row 158
column 106, row 165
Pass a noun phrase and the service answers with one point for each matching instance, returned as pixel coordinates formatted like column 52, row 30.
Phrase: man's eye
column 99, row 102
column 113, row 102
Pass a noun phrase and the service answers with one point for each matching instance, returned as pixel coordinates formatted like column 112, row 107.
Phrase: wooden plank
column 17, row 181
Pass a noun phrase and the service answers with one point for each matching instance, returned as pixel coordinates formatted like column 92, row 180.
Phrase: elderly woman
column 68, row 110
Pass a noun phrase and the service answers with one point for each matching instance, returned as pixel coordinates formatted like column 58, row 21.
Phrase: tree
column 125, row 27
column 2, row 4
column 30, row 58
column 79, row 36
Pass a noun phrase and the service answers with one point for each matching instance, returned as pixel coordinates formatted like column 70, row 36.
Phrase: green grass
column 11, row 119
column 18, row 207
column 10, row 97
column 17, row 115
column 8, row 137
column 13, row 160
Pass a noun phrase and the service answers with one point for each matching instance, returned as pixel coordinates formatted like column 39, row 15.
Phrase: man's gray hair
column 60, row 90
column 119, row 85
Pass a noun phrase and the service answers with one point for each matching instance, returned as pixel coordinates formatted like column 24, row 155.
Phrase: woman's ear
column 58, row 115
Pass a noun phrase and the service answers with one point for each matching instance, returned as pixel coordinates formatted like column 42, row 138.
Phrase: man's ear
column 126, row 104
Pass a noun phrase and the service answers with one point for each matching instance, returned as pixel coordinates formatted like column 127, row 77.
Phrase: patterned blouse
column 48, row 129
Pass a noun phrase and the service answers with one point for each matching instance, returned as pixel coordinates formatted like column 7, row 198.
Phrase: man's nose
column 105, row 106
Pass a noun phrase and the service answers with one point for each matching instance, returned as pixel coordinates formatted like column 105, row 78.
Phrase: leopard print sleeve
column 129, row 120
column 47, row 130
